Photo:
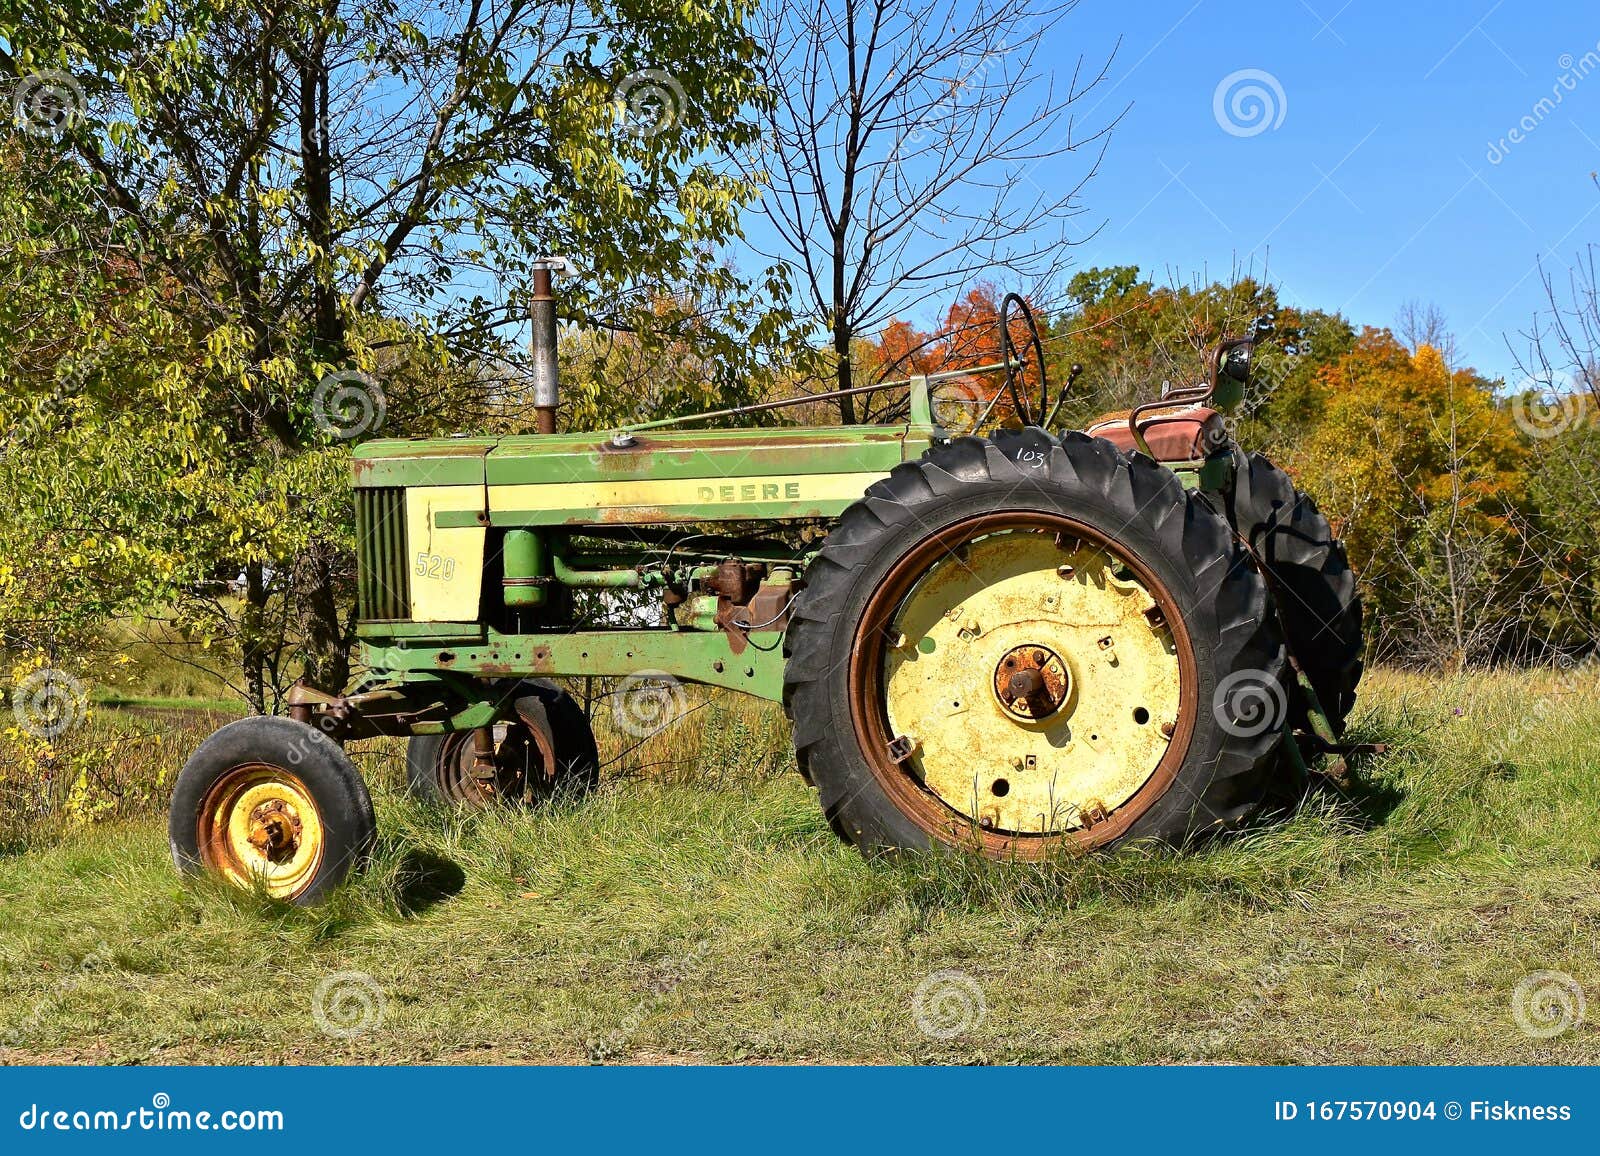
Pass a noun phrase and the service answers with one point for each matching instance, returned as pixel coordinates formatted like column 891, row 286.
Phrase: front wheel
column 546, row 749
column 271, row 802
column 1029, row 644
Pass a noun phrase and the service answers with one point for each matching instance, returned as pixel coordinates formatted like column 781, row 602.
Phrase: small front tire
column 270, row 802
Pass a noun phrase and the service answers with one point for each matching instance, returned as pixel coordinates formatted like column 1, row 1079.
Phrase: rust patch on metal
column 1032, row 682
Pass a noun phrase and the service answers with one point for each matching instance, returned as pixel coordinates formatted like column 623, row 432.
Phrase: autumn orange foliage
column 969, row 337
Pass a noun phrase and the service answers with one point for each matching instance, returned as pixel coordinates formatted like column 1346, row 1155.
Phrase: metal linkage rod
column 760, row 407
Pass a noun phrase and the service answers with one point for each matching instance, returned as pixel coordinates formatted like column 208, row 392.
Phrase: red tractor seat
column 1183, row 433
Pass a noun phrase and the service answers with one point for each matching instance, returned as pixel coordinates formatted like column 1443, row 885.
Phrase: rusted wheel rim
column 518, row 762
column 1074, row 750
column 260, row 823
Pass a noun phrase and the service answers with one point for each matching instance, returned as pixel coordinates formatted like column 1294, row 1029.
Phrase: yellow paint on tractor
column 681, row 495
column 1018, row 592
column 445, row 563
column 259, row 822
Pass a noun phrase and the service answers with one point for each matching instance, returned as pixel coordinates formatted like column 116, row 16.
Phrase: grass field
column 698, row 909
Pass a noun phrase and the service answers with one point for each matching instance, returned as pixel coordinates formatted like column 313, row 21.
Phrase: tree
column 1424, row 477
column 1423, row 323
column 1134, row 338
column 968, row 338
column 1557, row 405
column 896, row 151
column 242, row 200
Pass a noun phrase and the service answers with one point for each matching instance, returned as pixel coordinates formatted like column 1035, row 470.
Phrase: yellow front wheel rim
column 260, row 825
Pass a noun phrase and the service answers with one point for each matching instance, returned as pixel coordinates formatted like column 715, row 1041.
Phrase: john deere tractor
column 1015, row 645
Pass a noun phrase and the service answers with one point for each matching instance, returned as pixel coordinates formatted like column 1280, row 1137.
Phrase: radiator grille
column 383, row 580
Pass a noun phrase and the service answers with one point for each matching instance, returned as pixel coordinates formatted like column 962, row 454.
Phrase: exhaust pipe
column 546, row 372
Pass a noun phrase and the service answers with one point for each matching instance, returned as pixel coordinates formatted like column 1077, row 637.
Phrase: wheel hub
column 512, row 769
column 1031, row 682
column 275, row 830
column 259, row 823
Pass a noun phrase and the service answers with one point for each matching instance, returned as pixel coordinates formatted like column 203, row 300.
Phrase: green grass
column 164, row 667
column 664, row 920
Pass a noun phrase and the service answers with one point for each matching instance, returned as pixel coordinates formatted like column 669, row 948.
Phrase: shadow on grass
column 423, row 879
column 1308, row 832
column 1370, row 801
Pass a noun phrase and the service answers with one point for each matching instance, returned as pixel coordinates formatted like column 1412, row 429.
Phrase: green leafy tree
column 1424, row 476
column 210, row 207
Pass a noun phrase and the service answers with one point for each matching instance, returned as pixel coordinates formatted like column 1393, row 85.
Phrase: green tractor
column 1016, row 645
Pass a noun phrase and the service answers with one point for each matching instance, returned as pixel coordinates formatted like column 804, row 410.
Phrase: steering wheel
column 1026, row 413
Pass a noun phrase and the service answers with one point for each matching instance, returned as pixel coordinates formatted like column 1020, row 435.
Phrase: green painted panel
column 690, row 656
column 669, row 454
column 440, row 631
column 689, row 510
column 421, row 461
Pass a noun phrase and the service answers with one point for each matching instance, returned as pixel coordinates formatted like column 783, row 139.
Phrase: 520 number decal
column 438, row 566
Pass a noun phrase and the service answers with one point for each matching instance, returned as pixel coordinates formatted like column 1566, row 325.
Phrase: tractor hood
column 666, row 454
column 669, row 475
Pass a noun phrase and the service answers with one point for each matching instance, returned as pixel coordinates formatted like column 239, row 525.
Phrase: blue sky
column 1376, row 185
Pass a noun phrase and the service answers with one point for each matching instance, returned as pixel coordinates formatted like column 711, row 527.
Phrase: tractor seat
column 1183, row 433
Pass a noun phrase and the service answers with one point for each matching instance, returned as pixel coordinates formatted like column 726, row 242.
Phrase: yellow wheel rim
column 1031, row 682
column 260, row 824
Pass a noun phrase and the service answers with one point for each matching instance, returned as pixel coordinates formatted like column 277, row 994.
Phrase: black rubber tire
column 577, row 756
column 1311, row 581
column 1133, row 502
column 349, row 826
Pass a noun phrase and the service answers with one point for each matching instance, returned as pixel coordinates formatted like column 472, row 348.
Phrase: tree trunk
column 316, row 164
column 252, row 637
column 843, row 377
column 327, row 645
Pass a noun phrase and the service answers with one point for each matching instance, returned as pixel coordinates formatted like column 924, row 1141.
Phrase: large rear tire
column 1087, row 653
column 1311, row 581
